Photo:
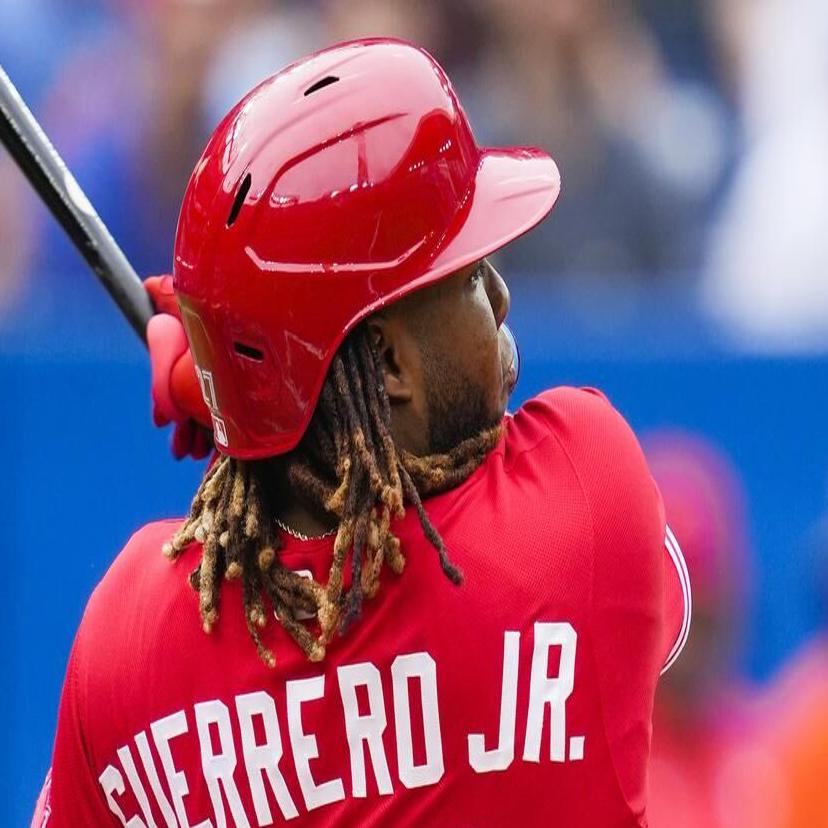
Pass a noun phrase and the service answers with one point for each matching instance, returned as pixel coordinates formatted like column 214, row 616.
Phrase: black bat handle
column 40, row 162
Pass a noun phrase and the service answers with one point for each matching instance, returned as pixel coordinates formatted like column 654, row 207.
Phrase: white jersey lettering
column 263, row 759
column 155, row 783
column 163, row 732
column 364, row 731
column 423, row 667
column 305, row 747
column 255, row 739
column 499, row 758
column 218, row 767
column 125, row 755
column 112, row 782
column 550, row 691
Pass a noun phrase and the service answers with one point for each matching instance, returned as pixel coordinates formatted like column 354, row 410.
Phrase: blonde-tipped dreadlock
column 348, row 467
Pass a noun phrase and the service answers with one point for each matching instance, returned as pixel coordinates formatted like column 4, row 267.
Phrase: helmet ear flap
column 239, row 372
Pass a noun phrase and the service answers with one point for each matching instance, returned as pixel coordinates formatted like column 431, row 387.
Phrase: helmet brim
column 514, row 190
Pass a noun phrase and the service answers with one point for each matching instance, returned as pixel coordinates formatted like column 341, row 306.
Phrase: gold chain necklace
column 294, row 533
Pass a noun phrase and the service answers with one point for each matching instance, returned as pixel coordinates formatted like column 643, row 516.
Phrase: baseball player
column 391, row 603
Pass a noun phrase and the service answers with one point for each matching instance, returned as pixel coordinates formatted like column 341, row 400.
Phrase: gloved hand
column 176, row 392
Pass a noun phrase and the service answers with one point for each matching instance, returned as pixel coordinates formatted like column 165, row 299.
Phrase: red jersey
column 522, row 697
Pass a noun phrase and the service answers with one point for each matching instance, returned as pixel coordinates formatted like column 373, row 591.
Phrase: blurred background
column 683, row 272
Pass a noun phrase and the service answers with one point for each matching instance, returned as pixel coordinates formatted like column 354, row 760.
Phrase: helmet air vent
column 321, row 84
column 239, row 200
column 248, row 351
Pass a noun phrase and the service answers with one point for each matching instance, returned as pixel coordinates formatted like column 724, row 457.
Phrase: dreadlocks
column 347, row 467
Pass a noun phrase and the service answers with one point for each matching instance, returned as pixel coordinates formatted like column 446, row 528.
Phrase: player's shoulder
column 581, row 425
column 574, row 417
column 567, row 400
column 144, row 546
column 140, row 589
column 137, row 569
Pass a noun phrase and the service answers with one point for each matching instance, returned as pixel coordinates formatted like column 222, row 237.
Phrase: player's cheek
column 499, row 392
column 488, row 360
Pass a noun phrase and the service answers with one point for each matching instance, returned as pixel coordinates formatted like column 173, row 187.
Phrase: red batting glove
column 176, row 392
column 162, row 294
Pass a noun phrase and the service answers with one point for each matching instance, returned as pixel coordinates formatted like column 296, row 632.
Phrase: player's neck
column 303, row 521
column 292, row 511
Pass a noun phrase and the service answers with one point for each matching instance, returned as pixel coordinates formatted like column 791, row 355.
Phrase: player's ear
column 398, row 355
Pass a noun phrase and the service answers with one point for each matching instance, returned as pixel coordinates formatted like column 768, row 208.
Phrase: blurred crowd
column 727, row 754
column 692, row 134
column 692, row 137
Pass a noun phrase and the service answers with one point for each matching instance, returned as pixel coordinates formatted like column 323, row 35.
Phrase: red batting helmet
column 340, row 184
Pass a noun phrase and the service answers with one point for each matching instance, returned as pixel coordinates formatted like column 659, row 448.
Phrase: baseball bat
column 40, row 162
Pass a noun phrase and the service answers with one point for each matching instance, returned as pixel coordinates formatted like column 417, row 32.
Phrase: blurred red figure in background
column 801, row 738
column 710, row 765
column 800, row 722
